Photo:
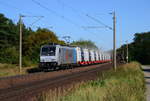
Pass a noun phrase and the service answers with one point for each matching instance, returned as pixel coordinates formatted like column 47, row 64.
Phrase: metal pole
column 123, row 56
column 127, row 51
column 114, row 40
column 20, row 48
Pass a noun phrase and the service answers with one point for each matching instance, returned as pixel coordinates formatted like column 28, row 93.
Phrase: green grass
column 125, row 84
column 11, row 70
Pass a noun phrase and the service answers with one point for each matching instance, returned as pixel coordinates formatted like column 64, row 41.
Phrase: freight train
column 54, row 55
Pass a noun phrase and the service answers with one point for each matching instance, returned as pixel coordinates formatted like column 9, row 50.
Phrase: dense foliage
column 139, row 49
column 32, row 41
column 85, row 44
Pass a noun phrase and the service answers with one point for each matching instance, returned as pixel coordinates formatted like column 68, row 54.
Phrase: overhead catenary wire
column 80, row 14
column 39, row 18
column 99, row 21
column 77, row 12
column 54, row 12
column 18, row 9
column 73, row 10
column 60, row 16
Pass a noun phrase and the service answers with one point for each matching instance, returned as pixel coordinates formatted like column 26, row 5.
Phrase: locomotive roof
column 58, row 45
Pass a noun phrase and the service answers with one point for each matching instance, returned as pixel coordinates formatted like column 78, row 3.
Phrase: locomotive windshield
column 48, row 51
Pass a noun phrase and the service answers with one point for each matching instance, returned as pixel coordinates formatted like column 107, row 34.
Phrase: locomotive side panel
column 68, row 55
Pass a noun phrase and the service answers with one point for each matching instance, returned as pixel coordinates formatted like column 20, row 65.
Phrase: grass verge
column 11, row 70
column 125, row 84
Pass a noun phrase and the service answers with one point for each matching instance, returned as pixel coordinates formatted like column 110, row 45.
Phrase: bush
column 26, row 61
column 9, row 55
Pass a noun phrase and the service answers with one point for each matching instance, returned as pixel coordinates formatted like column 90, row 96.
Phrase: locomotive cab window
column 48, row 51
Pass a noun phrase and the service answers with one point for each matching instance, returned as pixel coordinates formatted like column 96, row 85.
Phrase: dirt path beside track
column 146, row 70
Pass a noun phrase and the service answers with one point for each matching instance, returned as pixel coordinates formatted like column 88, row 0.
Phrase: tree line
column 138, row 50
column 31, row 42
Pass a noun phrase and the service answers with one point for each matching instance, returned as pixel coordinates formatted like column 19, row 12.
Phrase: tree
column 8, row 40
column 139, row 49
column 142, row 47
column 34, row 41
column 85, row 44
column 7, row 32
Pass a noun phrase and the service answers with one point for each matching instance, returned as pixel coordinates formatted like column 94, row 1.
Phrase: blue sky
column 67, row 17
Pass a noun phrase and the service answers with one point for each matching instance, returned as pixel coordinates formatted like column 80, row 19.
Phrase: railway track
column 32, row 87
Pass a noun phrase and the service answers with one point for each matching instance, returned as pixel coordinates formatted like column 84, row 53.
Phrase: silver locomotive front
column 48, row 57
